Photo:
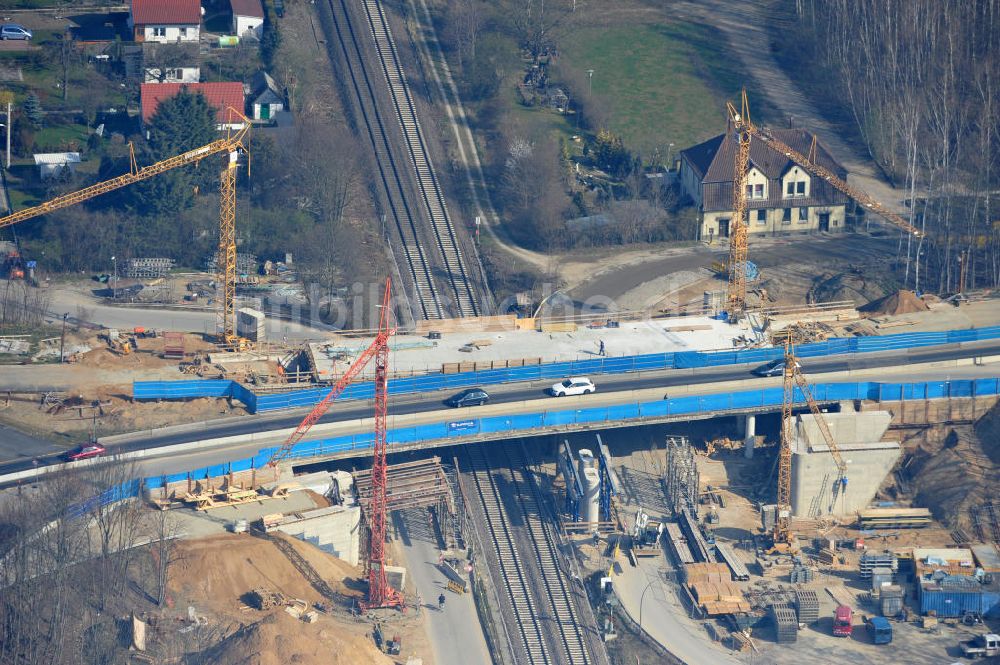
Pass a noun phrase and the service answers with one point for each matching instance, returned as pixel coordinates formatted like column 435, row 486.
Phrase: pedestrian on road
column 441, row 602
column 600, row 350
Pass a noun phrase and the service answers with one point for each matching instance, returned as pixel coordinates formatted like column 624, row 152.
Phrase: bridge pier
column 749, row 435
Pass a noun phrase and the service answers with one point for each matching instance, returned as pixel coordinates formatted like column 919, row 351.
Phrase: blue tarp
column 145, row 390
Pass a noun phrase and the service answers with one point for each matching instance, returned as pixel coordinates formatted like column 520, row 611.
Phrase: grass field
column 663, row 82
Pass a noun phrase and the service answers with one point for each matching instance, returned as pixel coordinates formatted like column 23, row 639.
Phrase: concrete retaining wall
column 335, row 530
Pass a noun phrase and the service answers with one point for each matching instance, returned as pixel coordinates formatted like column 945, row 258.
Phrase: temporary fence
column 529, row 423
column 147, row 390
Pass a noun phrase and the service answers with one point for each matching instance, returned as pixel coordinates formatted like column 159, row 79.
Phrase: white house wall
column 251, row 24
column 172, row 33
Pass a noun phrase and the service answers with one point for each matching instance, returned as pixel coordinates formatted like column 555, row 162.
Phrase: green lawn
column 663, row 82
column 61, row 138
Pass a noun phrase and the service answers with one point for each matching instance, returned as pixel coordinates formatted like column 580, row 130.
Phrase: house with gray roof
column 782, row 197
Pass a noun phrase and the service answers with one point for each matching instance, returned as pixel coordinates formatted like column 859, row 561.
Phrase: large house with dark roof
column 782, row 197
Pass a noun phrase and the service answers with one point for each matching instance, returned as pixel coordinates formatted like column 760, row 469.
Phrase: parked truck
column 879, row 629
column 843, row 621
column 982, row 647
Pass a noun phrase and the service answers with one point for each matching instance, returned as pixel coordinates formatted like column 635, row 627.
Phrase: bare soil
column 212, row 574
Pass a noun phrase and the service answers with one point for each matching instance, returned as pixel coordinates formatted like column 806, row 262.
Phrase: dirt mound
column 900, row 302
column 217, row 571
column 961, row 473
column 279, row 639
column 851, row 285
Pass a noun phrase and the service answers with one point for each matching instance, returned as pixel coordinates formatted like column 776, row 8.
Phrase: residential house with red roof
column 782, row 197
column 165, row 21
column 221, row 96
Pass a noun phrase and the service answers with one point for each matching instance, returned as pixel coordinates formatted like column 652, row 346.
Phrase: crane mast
column 792, row 378
column 380, row 593
column 736, row 295
column 235, row 142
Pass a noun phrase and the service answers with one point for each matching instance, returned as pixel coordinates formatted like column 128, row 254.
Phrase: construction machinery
column 380, row 593
column 235, row 142
column 746, row 131
column 793, row 378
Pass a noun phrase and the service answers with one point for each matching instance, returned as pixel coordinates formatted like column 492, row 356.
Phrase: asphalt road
column 30, row 449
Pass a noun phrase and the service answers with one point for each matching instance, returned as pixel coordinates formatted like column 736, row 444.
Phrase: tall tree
column 181, row 123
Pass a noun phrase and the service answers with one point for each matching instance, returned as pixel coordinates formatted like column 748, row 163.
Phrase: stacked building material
column 786, row 625
column 712, row 587
column 894, row 518
column 807, row 604
column 801, row 574
column 678, row 543
column 871, row 560
column 736, row 565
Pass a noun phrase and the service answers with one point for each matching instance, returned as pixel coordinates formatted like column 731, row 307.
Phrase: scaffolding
column 681, row 479
column 148, row 268
column 420, row 484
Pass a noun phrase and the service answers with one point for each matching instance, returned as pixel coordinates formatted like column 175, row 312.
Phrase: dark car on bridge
column 468, row 397
column 773, row 368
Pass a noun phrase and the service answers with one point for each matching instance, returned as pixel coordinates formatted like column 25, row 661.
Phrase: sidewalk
column 455, row 634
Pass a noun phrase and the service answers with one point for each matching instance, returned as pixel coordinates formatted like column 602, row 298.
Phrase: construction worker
column 600, row 350
column 441, row 602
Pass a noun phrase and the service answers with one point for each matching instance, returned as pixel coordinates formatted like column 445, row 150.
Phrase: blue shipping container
column 955, row 603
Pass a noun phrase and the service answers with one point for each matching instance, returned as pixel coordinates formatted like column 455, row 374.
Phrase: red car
column 84, row 452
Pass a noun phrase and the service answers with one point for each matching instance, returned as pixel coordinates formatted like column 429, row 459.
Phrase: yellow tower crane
column 793, row 378
column 736, row 295
column 235, row 142
column 746, row 131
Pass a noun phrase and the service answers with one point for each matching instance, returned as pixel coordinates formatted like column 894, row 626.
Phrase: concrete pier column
column 749, row 435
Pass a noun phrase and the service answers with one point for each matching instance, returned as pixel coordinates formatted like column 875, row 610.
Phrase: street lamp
column 642, row 598
column 114, row 284
column 62, row 340
column 590, row 82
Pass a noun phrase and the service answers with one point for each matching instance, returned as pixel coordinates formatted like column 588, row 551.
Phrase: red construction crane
column 380, row 594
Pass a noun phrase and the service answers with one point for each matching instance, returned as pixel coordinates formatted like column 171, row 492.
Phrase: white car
column 580, row 385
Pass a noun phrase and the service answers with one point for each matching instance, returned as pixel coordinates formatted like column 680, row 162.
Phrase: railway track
column 434, row 263
column 418, row 267
column 542, row 601
column 430, row 189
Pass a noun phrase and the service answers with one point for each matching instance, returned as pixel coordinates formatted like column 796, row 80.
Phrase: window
column 749, row 191
column 184, row 32
column 791, row 189
column 800, row 188
column 786, row 216
column 803, row 215
column 159, row 31
column 758, row 191
column 762, row 216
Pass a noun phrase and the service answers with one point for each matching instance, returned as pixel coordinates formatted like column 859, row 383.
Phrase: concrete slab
column 198, row 524
column 417, row 354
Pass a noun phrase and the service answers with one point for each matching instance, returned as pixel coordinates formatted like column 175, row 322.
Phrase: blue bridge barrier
column 146, row 390
column 526, row 424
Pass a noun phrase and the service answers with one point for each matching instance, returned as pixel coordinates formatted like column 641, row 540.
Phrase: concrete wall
column 815, row 488
column 335, row 530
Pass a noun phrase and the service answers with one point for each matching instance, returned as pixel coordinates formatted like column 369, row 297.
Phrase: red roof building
column 165, row 20
column 221, row 96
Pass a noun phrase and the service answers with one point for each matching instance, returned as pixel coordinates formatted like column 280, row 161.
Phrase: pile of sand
column 215, row 572
column 279, row 639
column 900, row 302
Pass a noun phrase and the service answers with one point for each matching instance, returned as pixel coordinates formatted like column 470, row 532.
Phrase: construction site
column 772, row 452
